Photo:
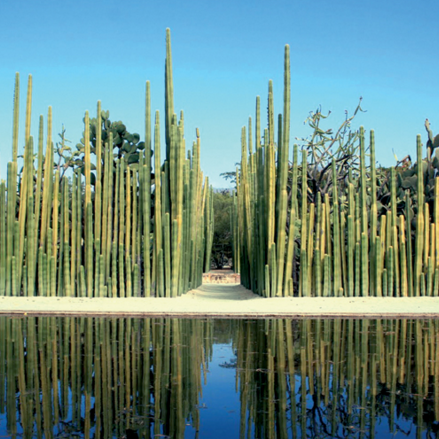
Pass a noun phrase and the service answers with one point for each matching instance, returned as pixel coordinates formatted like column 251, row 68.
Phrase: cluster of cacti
column 102, row 377
column 337, row 378
column 337, row 243
column 119, row 231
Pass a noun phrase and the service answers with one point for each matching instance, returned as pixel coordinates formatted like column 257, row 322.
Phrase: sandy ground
column 224, row 301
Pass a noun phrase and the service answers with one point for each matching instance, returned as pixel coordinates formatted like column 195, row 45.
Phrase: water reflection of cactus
column 296, row 378
column 102, row 377
column 334, row 378
column 110, row 226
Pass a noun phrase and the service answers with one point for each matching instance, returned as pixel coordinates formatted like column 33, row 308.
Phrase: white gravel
column 224, row 301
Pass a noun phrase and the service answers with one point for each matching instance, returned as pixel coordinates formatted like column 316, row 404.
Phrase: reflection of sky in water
column 220, row 405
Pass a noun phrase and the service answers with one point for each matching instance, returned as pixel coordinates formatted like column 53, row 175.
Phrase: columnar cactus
column 351, row 239
column 105, row 232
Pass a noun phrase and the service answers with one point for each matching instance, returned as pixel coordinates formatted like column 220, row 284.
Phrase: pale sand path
column 223, row 301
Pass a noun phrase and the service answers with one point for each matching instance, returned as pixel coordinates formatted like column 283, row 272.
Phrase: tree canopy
column 222, row 236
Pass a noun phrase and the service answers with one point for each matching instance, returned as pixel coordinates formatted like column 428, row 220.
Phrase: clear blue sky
column 224, row 53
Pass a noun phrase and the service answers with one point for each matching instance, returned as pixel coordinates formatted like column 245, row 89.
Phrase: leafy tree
column 230, row 176
column 222, row 235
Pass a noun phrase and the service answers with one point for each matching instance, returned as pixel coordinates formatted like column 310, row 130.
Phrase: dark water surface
column 104, row 378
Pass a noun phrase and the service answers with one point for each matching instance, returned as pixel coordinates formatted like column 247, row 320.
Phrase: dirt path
column 223, row 301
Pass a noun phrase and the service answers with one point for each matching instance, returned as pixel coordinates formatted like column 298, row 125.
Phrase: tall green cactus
column 92, row 235
column 347, row 245
column 282, row 196
column 119, row 237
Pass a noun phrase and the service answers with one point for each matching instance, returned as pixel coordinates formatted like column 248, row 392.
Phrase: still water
column 105, row 378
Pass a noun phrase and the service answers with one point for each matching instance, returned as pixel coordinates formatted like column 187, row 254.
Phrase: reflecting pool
column 181, row 378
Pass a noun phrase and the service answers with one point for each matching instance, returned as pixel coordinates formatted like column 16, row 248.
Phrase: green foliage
column 230, row 176
column 222, row 235
column 127, row 145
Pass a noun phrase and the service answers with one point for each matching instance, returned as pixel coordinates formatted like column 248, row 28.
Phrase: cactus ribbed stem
column 11, row 208
column 419, row 220
column 282, row 197
column 146, row 187
column 89, row 249
column 15, row 285
column 98, row 185
column 175, row 258
column 158, row 229
column 310, row 245
column 74, row 248
column 373, row 212
column 357, row 258
column 379, row 268
column 15, row 119
column 394, row 210
column 273, row 271
column 436, row 283
column 350, row 255
column 390, row 272
column 317, row 273
column 364, row 266
column 336, row 232
column 167, row 252
column 304, row 211
column 326, row 276
column 403, row 258
column 48, row 167
column 426, row 245
column 3, row 255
